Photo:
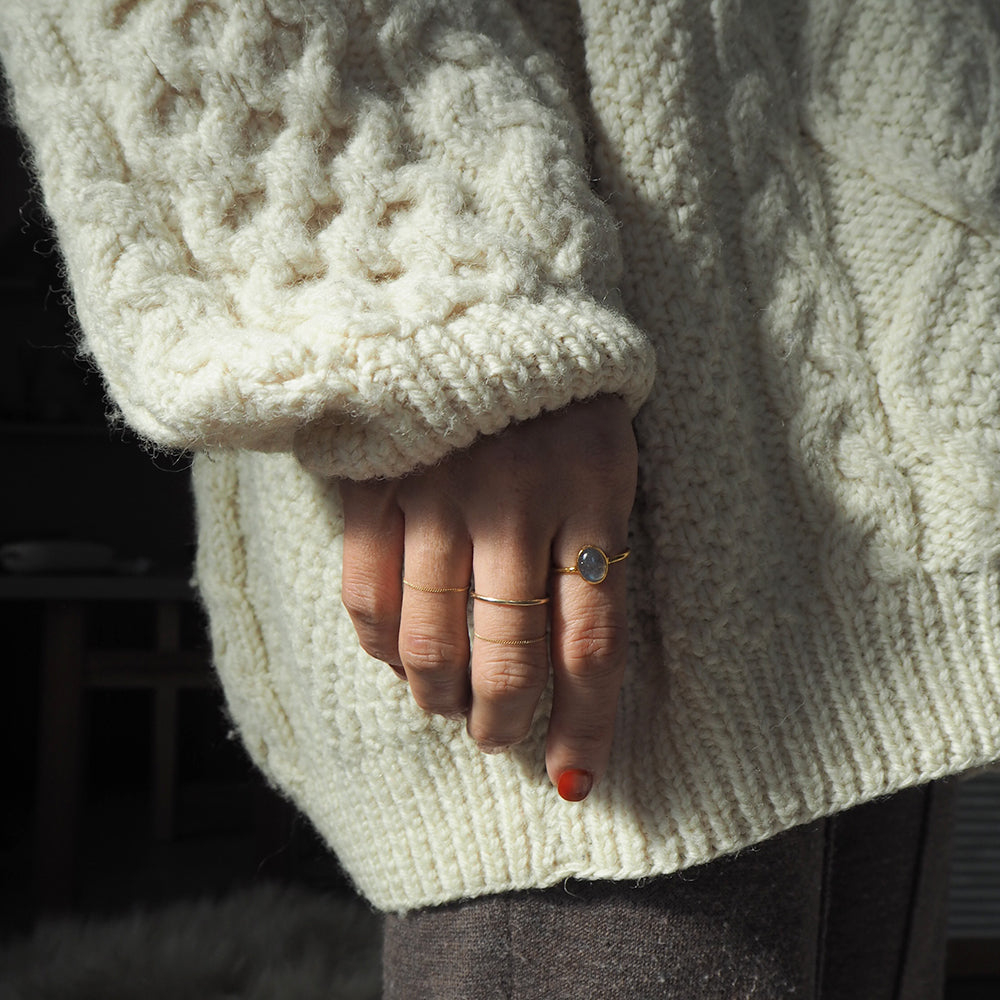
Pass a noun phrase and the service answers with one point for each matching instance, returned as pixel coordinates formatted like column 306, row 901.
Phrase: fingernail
column 575, row 784
column 492, row 748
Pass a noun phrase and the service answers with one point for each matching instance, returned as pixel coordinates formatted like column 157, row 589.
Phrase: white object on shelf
column 63, row 556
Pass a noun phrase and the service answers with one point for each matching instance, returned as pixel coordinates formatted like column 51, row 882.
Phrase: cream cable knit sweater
column 313, row 238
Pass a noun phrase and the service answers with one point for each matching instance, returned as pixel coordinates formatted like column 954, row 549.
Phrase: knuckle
column 490, row 739
column 427, row 655
column 594, row 650
column 369, row 609
column 375, row 649
column 437, row 700
column 510, row 678
column 375, row 621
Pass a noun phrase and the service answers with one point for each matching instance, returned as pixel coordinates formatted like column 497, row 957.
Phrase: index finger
column 588, row 648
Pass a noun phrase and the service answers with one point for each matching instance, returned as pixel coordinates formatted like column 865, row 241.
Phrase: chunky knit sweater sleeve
column 358, row 230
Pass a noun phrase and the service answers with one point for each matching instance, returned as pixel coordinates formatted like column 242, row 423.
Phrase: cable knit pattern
column 358, row 235
column 362, row 230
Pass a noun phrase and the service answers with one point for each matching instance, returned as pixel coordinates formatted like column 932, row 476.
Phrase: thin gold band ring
column 531, row 602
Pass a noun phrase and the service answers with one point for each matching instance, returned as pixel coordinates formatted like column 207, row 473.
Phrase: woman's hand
column 504, row 513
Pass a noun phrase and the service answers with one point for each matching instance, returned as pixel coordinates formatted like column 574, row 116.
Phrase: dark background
column 69, row 474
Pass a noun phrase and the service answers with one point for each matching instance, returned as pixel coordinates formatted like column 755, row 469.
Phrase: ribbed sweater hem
column 886, row 700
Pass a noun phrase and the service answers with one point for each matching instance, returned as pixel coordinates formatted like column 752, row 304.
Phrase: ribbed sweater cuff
column 418, row 399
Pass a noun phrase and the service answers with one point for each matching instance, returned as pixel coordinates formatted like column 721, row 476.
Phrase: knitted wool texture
column 357, row 235
column 366, row 233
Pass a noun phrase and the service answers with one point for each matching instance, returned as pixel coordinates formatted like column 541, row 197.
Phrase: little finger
column 371, row 587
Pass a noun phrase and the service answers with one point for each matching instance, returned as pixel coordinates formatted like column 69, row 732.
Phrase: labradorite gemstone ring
column 592, row 563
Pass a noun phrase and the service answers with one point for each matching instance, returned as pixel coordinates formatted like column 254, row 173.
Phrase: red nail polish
column 575, row 784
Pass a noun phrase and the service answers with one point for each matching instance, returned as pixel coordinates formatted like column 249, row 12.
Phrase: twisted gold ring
column 510, row 642
column 435, row 590
column 592, row 563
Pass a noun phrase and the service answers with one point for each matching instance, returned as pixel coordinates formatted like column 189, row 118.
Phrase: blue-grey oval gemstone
column 592, row 564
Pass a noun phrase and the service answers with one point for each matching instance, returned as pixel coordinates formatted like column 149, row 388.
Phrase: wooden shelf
column 15, row 587
column 52, row 428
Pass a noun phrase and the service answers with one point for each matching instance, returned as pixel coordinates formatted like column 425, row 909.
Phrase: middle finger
column 510, row 653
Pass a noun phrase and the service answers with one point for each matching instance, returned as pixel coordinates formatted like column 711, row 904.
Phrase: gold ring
column 592, row 563
column 435, row 590
column 531, row 602
column 510, row 642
